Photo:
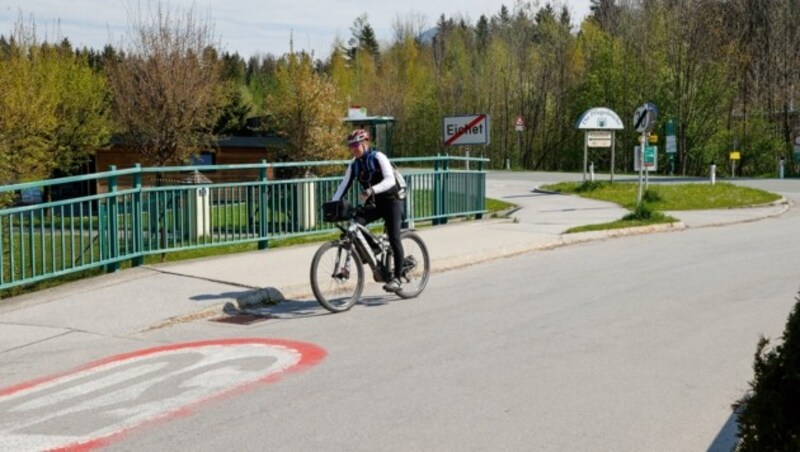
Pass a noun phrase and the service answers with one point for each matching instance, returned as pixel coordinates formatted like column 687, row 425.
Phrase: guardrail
column 146, row 211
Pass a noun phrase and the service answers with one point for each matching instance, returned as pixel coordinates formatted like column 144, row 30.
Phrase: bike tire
column 416, row 279
column 336, row 291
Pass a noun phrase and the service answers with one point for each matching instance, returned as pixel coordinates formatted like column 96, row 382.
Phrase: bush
column 643, row 212
column 589, row 186
column 769, row 415
column 651, row 196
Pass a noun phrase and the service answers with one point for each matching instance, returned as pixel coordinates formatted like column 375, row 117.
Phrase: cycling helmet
column 357, row 136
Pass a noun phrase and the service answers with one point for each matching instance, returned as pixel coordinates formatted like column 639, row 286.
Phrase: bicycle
column 337, row 269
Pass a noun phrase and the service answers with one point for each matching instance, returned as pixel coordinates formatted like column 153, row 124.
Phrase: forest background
column 724, row 71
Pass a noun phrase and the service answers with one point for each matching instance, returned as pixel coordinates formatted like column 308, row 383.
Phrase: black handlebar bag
column 340, row 210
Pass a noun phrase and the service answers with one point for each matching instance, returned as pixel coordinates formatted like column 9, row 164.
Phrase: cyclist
column 375, row 175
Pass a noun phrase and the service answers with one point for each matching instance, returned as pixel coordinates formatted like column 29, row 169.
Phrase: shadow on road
column 726, row 439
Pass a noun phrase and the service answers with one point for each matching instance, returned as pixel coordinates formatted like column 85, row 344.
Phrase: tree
column 363, row 38
column 482, row 33
column 235, row 113
column 695, row 88
column 53, row 111
column 606, row 13
column 308, row 110
column 83, row 118
column 339, row 71
column 166, row 87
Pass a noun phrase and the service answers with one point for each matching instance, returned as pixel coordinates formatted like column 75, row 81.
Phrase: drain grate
column 241, row 319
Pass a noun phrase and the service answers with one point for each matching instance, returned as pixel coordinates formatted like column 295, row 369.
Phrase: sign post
column 671, row 146
column 466, row 130
column 597, row 124
column 519, row 125
column 643, row 121
column 734, row 156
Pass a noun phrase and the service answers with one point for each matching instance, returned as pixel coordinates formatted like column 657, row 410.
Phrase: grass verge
column 662, row 197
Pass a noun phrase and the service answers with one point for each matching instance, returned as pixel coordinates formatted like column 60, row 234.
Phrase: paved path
column 135, row 300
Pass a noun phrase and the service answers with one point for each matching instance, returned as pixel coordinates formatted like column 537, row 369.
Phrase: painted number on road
column 97, row 403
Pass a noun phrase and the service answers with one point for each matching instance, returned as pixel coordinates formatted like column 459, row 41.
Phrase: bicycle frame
column 337, row 269
column 356, row 234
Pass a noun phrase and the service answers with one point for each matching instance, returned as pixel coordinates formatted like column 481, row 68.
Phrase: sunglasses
column 354, row 145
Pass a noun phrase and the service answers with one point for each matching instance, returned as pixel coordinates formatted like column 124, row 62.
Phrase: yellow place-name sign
column 736, row 155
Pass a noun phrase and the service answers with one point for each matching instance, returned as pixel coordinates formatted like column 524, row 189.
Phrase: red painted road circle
column 98, row 403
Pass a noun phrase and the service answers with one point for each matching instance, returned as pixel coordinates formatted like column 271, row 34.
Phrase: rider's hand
column 364, row 195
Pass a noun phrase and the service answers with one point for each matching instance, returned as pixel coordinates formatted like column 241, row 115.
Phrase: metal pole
column 613, row 150
column 713, row 174
column 641, row 168
column 585, row 152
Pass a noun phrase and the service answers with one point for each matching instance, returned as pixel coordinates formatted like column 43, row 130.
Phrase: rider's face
column 358, row 148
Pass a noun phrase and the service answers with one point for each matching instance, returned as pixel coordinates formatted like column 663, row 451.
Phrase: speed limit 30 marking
column 97, row 403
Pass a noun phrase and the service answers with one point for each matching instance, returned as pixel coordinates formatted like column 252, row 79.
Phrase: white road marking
column 100, row 401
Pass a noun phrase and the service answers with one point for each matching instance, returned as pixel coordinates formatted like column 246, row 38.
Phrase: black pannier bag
column 340, row 210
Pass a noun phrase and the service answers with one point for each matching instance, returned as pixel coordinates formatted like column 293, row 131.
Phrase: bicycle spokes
column 409, row 264
column 337, row 277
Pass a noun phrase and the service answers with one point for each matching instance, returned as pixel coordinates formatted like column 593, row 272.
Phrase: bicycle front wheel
column 337, row 277
column 416, row 265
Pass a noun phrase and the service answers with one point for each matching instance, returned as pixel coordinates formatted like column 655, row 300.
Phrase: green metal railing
column 147, row 211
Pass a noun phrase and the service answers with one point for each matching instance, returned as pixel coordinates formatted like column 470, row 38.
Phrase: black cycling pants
column 391, row 211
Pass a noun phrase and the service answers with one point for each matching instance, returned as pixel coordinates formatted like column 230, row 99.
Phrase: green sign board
column 650, row 158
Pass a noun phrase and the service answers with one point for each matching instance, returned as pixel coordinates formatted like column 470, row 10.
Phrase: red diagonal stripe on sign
column 472, row 124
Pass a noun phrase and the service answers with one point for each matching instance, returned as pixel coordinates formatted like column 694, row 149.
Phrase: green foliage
column 363, row 38
column 53, row 111
column 307, row 107
column 768, row 417
column 589, row 186
column 651, row 196
column 496, row 205
column 759, row 146
column 237, row 109
column 689, row 58
column 643, row 211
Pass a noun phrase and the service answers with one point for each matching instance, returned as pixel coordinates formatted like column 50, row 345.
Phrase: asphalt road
column 636, row 343
column 626, row 344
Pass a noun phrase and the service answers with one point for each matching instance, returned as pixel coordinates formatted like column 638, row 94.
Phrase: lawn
column 661, row 197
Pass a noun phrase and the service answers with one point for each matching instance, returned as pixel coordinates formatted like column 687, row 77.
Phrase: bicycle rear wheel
column 416, row 265
column 337, row 277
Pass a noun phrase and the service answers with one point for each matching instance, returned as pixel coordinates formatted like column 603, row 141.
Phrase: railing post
column 263, row 228
column 445, row 190
column 480, row 198
column 113, row 211
column 138, row 219
column 437, row 208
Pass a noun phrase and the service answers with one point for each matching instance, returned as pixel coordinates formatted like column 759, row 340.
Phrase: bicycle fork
column 342, row 271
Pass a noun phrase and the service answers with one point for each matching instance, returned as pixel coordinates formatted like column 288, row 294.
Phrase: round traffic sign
column 645, row 117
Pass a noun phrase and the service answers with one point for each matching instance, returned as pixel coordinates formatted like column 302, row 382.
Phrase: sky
column 250, row 27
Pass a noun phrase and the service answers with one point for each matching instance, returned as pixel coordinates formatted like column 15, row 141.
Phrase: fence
column 150, row 211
